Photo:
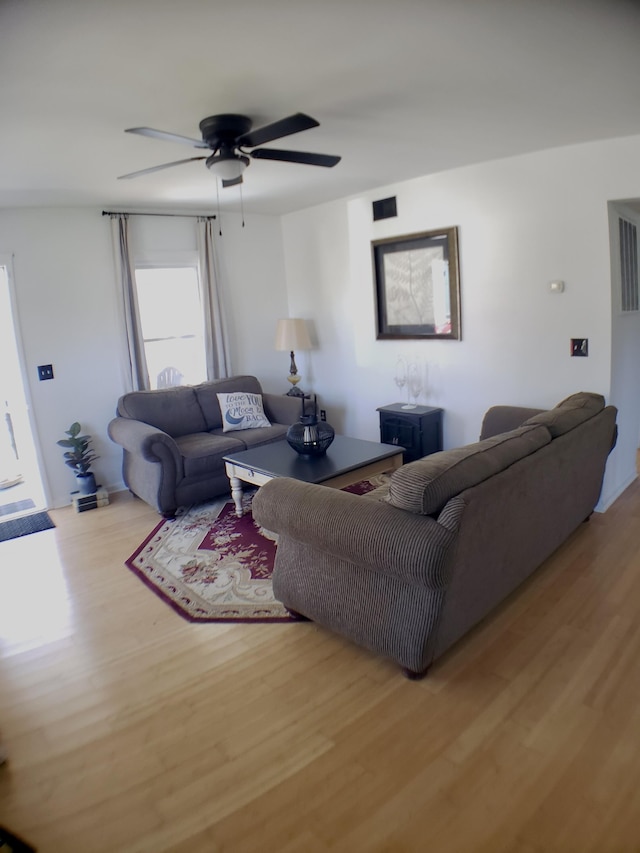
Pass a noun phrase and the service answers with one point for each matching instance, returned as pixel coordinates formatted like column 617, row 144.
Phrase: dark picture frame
column 417, row 285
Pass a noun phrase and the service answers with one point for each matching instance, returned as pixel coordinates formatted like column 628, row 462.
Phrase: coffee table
column 347, row 461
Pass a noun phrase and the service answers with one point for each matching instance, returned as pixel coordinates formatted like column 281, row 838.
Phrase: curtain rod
column 131, row 213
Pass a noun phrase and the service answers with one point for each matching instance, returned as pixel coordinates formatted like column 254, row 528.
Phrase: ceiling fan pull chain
column 242, row 205
column 218, row 205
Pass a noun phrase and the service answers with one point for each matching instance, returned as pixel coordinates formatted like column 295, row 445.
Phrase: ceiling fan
column 228, row 135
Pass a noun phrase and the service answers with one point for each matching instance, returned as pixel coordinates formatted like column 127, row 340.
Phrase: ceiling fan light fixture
column 227, row 134
column 227, row 167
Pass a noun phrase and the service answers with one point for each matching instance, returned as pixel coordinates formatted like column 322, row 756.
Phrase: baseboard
column 607, row 500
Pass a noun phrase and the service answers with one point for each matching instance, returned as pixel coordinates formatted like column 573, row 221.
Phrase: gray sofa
column 406, row 571
column 173, row 441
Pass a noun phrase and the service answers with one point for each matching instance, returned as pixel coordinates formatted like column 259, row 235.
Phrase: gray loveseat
column 173, row 440
column 409, row 570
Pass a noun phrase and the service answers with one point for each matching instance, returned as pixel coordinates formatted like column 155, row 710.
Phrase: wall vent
column 628, row 265
column 386, row 208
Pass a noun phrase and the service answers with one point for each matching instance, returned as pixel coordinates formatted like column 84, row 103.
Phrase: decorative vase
column 86, row 483
column 310, row 437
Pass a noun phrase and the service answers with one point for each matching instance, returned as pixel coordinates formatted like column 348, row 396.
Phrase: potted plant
column 79, row 457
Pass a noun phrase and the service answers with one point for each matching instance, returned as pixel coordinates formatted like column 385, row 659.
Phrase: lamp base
column 293, row 378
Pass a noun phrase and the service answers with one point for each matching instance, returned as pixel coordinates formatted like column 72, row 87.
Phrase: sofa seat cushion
column 202, row 452
column 256, row 437
column 175, row 411
column 570, row 413
column 425, row 486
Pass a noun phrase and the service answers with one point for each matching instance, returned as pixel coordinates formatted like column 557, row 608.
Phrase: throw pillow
column 242, row 411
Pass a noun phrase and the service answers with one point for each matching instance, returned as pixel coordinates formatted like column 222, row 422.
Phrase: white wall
column 320, row 291
column 523, row 222
column 67, row 315
column 252, row 273
column 66, row 300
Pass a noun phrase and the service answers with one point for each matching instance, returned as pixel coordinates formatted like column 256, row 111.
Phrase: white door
column 21, row 486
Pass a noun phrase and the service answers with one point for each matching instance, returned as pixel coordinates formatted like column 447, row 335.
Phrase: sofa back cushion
column 207, row 396
column 173, row 410
column 425, row 486
column 570, row 413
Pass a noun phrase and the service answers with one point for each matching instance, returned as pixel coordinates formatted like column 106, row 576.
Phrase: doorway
column 21, row 485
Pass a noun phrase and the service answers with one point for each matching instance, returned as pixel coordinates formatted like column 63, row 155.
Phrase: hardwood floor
column 132, row 730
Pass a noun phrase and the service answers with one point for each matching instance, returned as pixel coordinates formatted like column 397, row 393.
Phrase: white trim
column 607, row 500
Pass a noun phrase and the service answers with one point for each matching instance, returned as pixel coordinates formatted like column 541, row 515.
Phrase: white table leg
column 236, row 494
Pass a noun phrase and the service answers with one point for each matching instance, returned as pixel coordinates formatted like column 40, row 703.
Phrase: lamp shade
column 227, row 166
column 292, row 334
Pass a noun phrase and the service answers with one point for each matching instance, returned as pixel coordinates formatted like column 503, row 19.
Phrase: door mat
column 16, row 506
column 15, row 527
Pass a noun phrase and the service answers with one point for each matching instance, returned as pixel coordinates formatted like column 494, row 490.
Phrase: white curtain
column 216, row 350
column 136, row 373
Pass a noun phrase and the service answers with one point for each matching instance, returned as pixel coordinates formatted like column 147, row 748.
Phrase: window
column 172, row 322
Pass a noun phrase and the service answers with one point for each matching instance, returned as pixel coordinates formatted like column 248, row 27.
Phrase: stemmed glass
column 414, row 384
column 401, row 373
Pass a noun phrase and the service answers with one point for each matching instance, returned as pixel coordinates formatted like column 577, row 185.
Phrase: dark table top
column 405, row 409
column 344, row 454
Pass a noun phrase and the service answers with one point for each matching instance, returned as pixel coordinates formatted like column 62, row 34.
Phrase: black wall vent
column 385, row 208
column 628, row 265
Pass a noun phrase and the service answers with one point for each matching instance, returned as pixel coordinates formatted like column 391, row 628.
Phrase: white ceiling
column 401, row 88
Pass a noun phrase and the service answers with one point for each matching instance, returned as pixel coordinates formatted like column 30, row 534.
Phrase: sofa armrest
column 281, row 409
column 361, row 531
column 148, row 442
column 504, row 419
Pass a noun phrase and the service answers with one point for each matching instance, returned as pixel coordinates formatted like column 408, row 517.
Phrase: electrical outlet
column 45, row 371
column 323, row 414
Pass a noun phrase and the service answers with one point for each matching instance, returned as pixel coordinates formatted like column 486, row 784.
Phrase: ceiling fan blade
column 232, row 182
column 286, row 126
column 168, row 137
column 158, row 168
column 305, row 157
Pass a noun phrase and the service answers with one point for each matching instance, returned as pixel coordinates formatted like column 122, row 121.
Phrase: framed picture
column 417, row 285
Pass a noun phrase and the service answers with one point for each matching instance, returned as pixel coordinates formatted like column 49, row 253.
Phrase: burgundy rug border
column 181, row 611
column 282, row 620
column 146, row 542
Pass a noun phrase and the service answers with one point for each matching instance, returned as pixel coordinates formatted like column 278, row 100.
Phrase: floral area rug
column 211, row 566
column 23, row 526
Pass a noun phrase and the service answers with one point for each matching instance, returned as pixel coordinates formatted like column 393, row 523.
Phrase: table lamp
column 291, row 335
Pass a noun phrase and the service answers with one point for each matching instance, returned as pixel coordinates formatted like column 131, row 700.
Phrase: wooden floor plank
column 131, row 729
